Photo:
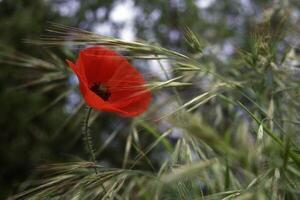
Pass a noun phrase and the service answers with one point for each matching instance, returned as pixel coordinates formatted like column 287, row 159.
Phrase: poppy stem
column 89, row 143
column 88, row 138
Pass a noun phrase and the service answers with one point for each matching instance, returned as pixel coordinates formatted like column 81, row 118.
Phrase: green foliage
column 252, row 156
column 215, row 130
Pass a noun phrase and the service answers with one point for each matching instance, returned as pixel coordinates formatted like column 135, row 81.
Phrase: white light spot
column 128, row 33
column 157, row 70
column 174, row 35
column 73, row 100
column 176, row 133
column 100, row 13
column 73, row 80
column 155, row 15
column 68, row 8
column 124, row 13
column 103, row 28
column 203, row 4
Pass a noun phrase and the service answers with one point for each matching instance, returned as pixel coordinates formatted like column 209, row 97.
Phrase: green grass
column 239, row 127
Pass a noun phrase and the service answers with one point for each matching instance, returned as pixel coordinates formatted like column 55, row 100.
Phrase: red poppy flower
column 109, row 83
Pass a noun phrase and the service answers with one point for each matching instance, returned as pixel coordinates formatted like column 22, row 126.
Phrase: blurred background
column 32, row 134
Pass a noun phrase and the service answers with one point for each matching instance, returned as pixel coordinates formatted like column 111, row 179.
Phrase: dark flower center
column 101, row 90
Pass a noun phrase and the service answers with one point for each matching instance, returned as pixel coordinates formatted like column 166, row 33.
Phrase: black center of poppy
column 101, row 90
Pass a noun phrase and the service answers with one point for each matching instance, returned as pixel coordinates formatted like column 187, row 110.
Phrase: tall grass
column 220, row 131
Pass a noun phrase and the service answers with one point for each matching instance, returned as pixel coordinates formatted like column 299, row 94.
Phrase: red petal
column 99, row 64
column 80, row 76
column 129, row 97
column 138, row 104
column 91, row 98
column 126, row 83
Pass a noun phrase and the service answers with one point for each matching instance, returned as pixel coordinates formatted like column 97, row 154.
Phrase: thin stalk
column 88, row 138
column 178, row 98
column 89, row 143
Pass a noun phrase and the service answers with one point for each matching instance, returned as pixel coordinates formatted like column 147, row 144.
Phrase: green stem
column 87, row 136
column 179, row 101
column 89, row 142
